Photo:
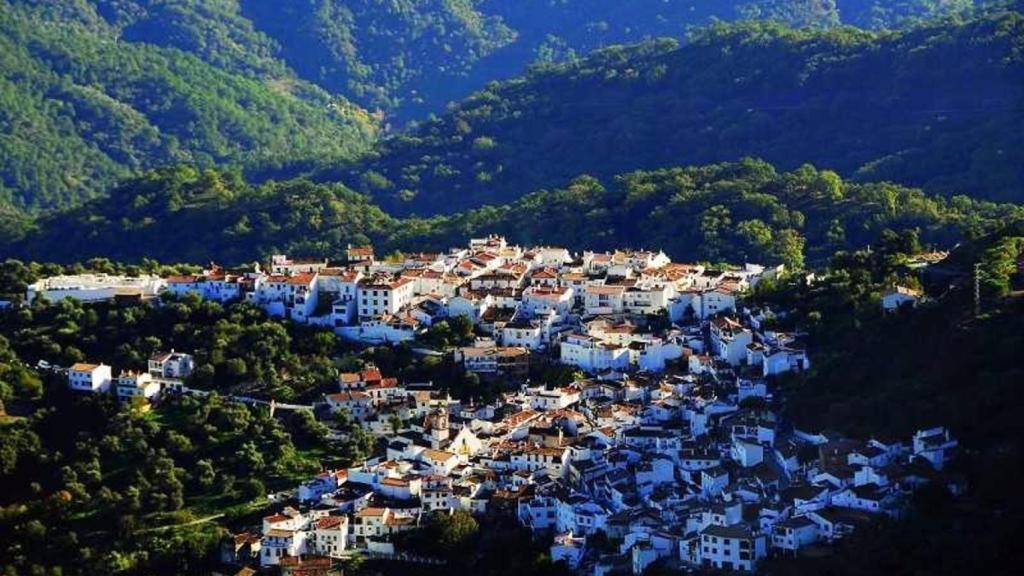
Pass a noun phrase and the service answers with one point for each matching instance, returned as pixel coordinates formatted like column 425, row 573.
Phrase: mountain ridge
column 876, row 106
column 744, row 210
column 81, row 109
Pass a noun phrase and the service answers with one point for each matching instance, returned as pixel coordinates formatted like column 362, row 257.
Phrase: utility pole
column 977, row 289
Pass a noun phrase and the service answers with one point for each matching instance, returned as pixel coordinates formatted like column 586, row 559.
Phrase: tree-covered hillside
column 410, row 57
column 382, row 54
column 873, row 14
column 867, row 14
column 937, row 107
column 740, row 211
column 93, row 91
column 744, row 211
column 876, row 374
column 413, row 56
column 82, row 105
column 183, row 214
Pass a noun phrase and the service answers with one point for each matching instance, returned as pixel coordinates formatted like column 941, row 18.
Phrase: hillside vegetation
column 83, row 106
column 738, row 211
column 184, row 214
column 413, row 56
column 743, row 211
column 937, row 107
column 96, row 91
column 878, row 374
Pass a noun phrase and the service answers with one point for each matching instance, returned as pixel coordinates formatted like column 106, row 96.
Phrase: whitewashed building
column 83, row 377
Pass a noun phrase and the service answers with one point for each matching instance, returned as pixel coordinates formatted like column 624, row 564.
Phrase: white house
column 729, row 340
column 731, row 548
column 713, row 480
column 580, row 515
column 779, row 360
column 683, row 305
column 175, row 365
column 93, row 287
column 789, row 536
column 330, row 536
column 283, row 535
column 592, row 354
column 934, row 445
column 717, row 301
column 551, row 256
column 441, row 462
column 282, row 264
column 470, row 305
column 324, row 483
column 383, row 296
column 386, row 329
column 601, row 299
column 294, row 297
column 869, row 498
column 279, row 543
column 131, row 385
column 341, row 283
column 84, row 377
column 900, row 296
column 541, row 299
column 747, row 453
column 359, row 254
column 358, row 404
column 527, row 331
column 493, row 360
column 213, row 284
column 569, row 548
column 544, row 399
column 647, row 299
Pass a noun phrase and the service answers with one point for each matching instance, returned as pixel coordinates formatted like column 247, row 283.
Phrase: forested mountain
column 875, row 374
column 93, row 91
column 83, row 105
column 725, row 212
column 743, row 211
column 937, row 107
column 412, row 56
column 183, row 214
column 383, row 54
column 873, row 14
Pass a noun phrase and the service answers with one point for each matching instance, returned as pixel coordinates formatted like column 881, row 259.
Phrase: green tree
column 789, row 246
column 452, row 532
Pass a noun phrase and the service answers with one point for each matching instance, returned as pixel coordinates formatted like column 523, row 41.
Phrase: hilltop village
column 667, row 445
column 603, row 311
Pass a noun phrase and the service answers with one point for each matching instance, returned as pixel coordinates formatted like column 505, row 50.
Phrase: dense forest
column 876, row 375
column 187, row 214
column 734, row 211
column 411, row 57
column 83, row 106
column 936, row 107
column 94, row 91
column 742, row 211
